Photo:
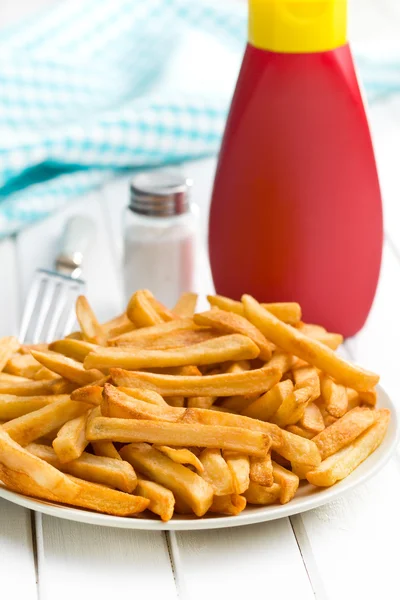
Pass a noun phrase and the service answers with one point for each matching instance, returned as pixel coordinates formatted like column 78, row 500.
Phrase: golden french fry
column 261, row 470
column 292, row 407
column 289, row 312
column 178, row 434
column 71, row 440
column 295, row 342
column 308, row 377
column 344, row 430
column 334, row 396
column 353, row 399
column 8, row 378
column 236, row 404
column 226, row 384
column 27, row 387
column 112, row 472
column 145, row 395
column 288, row 445
column 12, row 407
column 185, row 485
column 162, row 501
column 239, row 466
column 228, row 505
column 43, row 373
column 186, row 305
column 67, row 367
column 159, row 307
column 8, row 345
column 30, row 427
column 301, row 470
column 183, row 456
column 228, row 323
column 107, row 449
column 201, row 401
column 239, row 366
column 288, row 481
column 105, row 500
column 312, row 419
column 266, row 405
column 23, row 365
column 140, row 310
column 281, row 360
column 154, row 333
column 26, row 348
column 298, row 430
column 75, row 335
column 25, row 471
column 117, row 404
column 92, row 394
column 216, row 472
column 259, row 494
column 369, row 397
column 178, row 401
column 230, row 347
column 117, row 326
column 342, row 463
column 91, row 329
column 332, row 340
column 181, row 338
column 76, row 349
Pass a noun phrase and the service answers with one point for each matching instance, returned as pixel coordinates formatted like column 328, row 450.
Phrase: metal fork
column 49, row 311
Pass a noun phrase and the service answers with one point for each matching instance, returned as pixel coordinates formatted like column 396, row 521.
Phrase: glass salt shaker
column 160, row 236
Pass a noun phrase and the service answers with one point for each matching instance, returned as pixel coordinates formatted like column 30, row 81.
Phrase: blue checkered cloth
column 85, row 95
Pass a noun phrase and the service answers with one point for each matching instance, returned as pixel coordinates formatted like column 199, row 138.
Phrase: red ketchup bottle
column 296, row 211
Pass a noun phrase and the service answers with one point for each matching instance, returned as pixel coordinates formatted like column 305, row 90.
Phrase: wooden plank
column 17, row 565
column 9, row 298
column 232, row 563
column 84, row 561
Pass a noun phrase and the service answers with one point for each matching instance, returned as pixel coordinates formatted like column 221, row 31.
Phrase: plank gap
column 168, row 541
column 307, row 557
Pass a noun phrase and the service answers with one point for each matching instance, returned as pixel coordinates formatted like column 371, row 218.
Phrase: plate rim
column 252, row 516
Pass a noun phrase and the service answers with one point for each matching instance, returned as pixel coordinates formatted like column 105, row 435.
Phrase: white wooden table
column 345, row 550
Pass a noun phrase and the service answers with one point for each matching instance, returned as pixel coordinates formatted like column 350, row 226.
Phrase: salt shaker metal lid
column 160, row 194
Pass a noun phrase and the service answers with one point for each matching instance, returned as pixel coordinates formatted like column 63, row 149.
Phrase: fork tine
column 30, row 307
column 45, row 304
column 61, row 297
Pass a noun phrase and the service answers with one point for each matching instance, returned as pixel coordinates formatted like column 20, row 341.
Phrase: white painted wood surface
column 344, row 550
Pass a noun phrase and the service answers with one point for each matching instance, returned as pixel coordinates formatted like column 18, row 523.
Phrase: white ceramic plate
column 307, row 497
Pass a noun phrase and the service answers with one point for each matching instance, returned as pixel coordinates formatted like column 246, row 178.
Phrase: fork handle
column 78, row 234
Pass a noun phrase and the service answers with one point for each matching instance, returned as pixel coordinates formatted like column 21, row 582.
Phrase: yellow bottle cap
column 297, row 26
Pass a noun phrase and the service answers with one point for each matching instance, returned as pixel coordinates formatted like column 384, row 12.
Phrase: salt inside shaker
column 160, row 236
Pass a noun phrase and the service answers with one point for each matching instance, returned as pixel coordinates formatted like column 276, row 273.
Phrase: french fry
column 115, row 473
column 71, row 440
column 228, row 323
column 91, row 329
column 369, row 397
column 23, row 365
column 281, row 360
column 261, row 470
column 295, row 342
column 26, row 348
column 140, row 310
column 228, row 505
column 28, row 387
column 6, row 377
column 178, row 434
column 332, row 340
column 183, row 456
column 216, row 472
column 236, row 404
column 107, row 449
column 239, row 466
column 334, row 396
column 201, row 401
column 117, row 404
column 259, row 494
column 155, row 332
column 181, row 338
column 342, row 463
column 67, row 367
column 105, row 500
column 301, row 470
column 44, row 373
column 30, row 427
column 76, row 349
column 232, row 347
column 289, row 312
column 292, row 407
column 92, row 394
column 25, row 470
column 117, row 326
column 12, row 407
column 144, row 395
column 185, row 485
column 288, row 481
column 344, row 430
column 298, row 430
column 178, row 401
column 226, row 384
column 307, row 377
column 266, row 405
column 186, row 305
column 161, row 310
column 161, row 500
column 239, row 366
column 8, row 345
column 312, row 419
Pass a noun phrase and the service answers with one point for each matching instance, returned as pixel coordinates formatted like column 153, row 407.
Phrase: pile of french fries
column 183, row 413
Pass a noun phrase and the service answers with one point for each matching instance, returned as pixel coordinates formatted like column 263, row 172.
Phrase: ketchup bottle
column 296, row 211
